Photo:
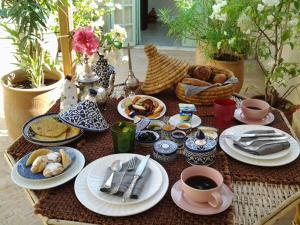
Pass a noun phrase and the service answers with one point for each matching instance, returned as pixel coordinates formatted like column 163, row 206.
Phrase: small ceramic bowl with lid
column 179, row 137
column 165, row 151
column 147, row 138
column 200, row 150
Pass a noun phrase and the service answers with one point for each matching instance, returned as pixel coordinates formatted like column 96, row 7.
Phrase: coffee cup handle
column 217, row 199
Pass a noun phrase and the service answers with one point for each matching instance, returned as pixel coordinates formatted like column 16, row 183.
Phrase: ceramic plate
column 121, row 108
column 24, row 171
column 96, row 205
column 95, row 179
column 29, row 134
column 74, row 169
column 200, row 208
column 243, row 129
column 195, row 122
column 288, row 158
column 238, row 115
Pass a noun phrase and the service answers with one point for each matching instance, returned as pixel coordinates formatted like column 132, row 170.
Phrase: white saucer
column 95, row 179
column 73, row 170
column 238, row 115
column 293, row 154
column 195, row 121
column 96, row 205
column 200, row 208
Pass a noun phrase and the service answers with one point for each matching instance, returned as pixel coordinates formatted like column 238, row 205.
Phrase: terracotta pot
column 237, row 67
column 23, row 104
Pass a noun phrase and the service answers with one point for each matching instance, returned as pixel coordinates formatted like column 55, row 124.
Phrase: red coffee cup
column 223, row 111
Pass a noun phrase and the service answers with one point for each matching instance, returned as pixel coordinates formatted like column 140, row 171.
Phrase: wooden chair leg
column 297, row 216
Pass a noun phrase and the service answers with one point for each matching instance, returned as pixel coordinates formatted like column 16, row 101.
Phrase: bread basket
column 207, row 96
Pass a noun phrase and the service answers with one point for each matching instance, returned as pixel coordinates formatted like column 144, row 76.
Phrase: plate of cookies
column 49, row 130
column 141, row 106
column 45, row 163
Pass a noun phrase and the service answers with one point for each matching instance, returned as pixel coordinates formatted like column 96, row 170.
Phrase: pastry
column 35, row 154
column 195, row 82
column 202, row 73
column 65, row 158
column 54, row 157
column 39, row 164
column 219, row 78
column 53, row 169
column 45, row 138
column 72, row 132
column 49, row 127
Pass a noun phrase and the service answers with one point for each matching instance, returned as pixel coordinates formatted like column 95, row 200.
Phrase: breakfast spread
column 51, row 129
column 142, row 106
column 48, row 162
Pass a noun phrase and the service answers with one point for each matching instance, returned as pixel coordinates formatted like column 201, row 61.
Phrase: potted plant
column 273, row 27
column 35, row 86
column 214, row 30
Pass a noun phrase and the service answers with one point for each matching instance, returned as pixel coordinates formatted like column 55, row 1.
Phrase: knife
column 136, row 176
column 253, row 135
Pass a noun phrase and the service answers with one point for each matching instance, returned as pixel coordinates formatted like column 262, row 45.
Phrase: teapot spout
column 111, row 86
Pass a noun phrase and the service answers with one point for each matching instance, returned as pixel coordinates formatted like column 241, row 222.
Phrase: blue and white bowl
column 29, row 134
column 147, row 143
column 85, row 115
column 196, row 154
column 165, row 151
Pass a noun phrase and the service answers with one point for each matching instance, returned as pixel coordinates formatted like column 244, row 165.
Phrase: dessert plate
column 195, row 121
column 122, row 112
column 96, row 205
column 293, row 154
column 200, row 208
column 73, row 170
column 238, row 115
column 29, row 134
column 25, row 171
column 95, row 179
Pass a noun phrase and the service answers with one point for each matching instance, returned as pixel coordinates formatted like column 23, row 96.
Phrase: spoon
column 116, row 166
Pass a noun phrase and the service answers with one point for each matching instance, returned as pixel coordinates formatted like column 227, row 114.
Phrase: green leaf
column 286, row 35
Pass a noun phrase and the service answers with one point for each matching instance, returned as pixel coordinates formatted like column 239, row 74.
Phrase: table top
column 259, row 192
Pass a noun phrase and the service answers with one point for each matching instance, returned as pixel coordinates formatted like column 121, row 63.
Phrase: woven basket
column 208, row 96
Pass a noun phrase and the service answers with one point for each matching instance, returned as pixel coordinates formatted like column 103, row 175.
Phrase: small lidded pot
column 165, row 151
column 200, row 150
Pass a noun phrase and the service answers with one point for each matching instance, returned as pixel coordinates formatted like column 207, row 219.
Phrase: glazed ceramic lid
column 85, row 115
column 194, row 144
column 142, row 124
column 165, row 147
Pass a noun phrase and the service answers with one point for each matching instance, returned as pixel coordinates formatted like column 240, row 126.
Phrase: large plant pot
column 237, row 67
column 23, row 104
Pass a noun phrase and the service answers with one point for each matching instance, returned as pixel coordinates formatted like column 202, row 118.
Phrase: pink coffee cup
column 255, row 109
column 211, row 196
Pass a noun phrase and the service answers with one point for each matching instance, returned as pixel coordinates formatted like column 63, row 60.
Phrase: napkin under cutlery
column 128, row 177
column 264, row 147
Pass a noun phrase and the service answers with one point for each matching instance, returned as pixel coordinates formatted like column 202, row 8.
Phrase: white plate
column 121, row 109
column 195, row 122
column 101, row 207
column 240, row 130
column 238, row 115
column 290, row 157
column 73, row 170
column 95, row 179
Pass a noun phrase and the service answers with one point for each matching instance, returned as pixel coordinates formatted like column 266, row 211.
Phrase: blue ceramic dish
column 165, row 151
column 147, row 143
column 25, row 172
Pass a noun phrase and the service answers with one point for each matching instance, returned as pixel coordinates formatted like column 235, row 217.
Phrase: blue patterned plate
column 25, row 172
column 85, row 115
column 29, row 134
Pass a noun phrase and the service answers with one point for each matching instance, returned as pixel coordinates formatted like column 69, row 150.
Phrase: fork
column 255, row 148
column 130, row 167
column 247, row 143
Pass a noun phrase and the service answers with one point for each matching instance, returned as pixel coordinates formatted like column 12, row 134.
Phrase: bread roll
column 195, row 82
column 39, row 164
column 53, row 169
column 202, row 73
column 54, row 157
column 219, row 78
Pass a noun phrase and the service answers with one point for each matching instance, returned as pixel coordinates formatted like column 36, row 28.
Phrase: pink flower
column 85, row 41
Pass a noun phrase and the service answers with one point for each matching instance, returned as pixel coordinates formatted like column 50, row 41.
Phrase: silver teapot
column 103, row 94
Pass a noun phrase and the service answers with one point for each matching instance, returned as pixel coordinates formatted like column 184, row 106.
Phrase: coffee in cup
column 255, row 109
column 202, row 184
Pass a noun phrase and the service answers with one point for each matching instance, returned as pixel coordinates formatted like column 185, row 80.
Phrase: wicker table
column 255, row 202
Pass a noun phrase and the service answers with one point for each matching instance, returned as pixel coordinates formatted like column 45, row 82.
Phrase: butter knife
column 136, row 176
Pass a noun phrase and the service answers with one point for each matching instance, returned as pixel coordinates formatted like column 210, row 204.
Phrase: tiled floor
column 14, row 207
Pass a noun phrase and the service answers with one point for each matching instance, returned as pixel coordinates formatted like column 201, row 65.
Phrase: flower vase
column 103, row 70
